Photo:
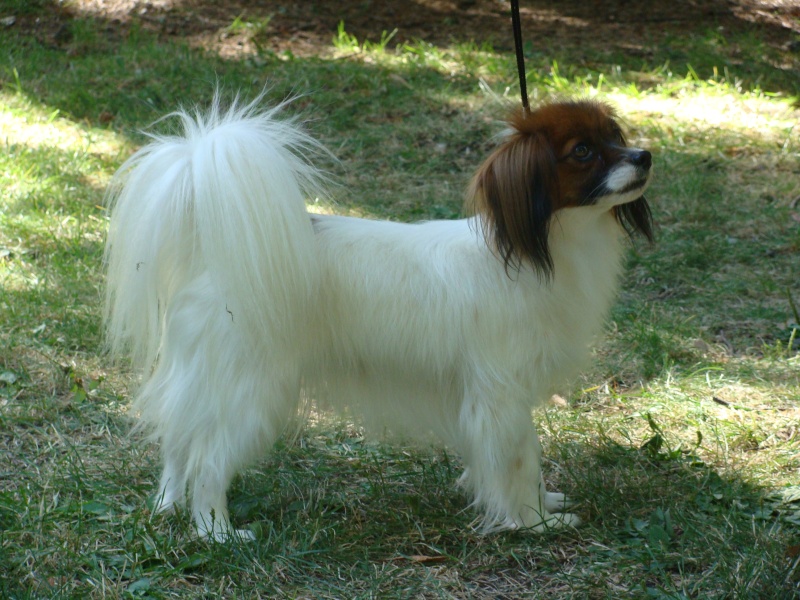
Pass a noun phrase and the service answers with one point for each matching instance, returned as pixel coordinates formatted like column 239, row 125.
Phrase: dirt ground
column 304, row 28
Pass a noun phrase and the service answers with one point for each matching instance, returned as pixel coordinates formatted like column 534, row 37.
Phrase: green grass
column 680, row 444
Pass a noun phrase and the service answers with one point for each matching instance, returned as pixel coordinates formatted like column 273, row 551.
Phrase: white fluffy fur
column 231, row 297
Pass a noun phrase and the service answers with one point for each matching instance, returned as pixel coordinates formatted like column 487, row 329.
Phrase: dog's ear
column 635, row 217
column 513, row 194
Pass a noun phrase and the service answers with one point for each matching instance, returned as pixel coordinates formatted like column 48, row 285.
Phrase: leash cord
column 523, row 85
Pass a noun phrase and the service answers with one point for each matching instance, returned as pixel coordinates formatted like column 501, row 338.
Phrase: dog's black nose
column 642, row 158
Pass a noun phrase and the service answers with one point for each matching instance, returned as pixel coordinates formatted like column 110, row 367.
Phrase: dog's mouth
column 624, row 184
column 638, row 185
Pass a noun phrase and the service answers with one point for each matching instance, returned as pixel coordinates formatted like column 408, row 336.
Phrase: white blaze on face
column 621, row 177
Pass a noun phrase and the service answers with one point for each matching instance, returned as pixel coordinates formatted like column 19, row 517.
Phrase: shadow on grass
column 658, row 519
column 753, row 44
column 127, row 73
column 338, row 515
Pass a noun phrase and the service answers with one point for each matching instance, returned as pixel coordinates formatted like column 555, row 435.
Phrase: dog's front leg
column 502, row 454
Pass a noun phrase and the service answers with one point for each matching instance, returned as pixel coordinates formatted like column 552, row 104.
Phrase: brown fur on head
column 555, row 157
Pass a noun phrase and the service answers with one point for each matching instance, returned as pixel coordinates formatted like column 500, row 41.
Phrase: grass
column 680, row 444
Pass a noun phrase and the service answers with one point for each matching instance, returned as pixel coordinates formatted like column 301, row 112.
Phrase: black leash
column 523, row 84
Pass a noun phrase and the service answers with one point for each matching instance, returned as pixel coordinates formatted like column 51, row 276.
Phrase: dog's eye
column 582, row 152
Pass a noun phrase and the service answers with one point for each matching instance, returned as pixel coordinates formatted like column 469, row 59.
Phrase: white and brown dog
column 231, row 297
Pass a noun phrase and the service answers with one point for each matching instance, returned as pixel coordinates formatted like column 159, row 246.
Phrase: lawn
column 680, row 445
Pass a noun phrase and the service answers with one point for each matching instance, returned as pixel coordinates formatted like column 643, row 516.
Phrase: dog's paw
column 556, row 502
column 225, row 535
column 160, row 504
column 560, row 520
column 537, row 522
column 219, row 529
column 239, row 535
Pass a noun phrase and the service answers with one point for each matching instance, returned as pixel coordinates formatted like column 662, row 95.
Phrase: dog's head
column 564, row 154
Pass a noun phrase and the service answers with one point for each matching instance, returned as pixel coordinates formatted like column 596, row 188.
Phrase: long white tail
column 225, row 199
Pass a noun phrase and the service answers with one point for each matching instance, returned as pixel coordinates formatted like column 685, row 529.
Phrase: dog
column 235, row 302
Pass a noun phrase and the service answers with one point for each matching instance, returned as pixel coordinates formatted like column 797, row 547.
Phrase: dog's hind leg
column 259, row 412
column 172, row 487
column 216, row 402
